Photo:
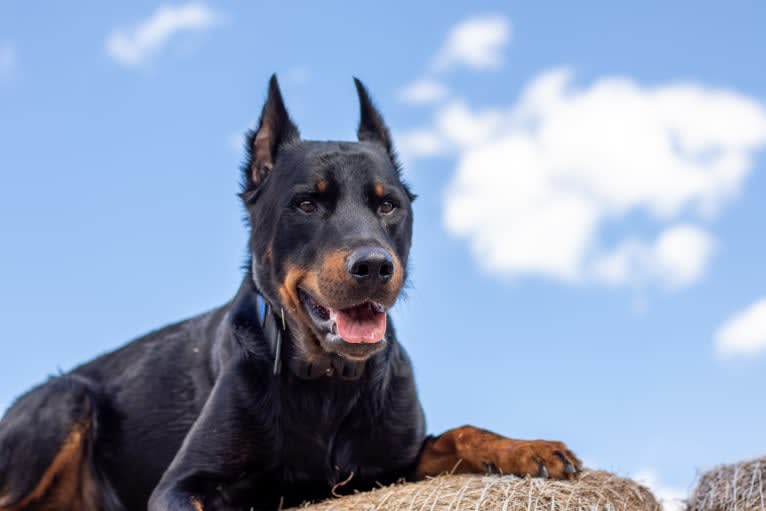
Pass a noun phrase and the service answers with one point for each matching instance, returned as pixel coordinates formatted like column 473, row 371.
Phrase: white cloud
column 537, row 183
column 744, row 333
column 135, row 46
column 418, row 144
column 423, row 91
column 678, row 257
column 7, row 61
column 671, row 498
column 475, row 43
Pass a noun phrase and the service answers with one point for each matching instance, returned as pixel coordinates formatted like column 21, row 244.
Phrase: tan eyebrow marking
column 379, row 190
column 321, row 186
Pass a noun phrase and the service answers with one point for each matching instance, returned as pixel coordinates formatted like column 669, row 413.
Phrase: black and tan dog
column 297, row 386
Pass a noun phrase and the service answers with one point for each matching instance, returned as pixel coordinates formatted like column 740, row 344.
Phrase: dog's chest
column 316, row 430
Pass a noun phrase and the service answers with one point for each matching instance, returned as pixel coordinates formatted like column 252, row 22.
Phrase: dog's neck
column 252, row 313
column 277, row 335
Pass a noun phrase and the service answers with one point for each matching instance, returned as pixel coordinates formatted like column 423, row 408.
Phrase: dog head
column 331, row 225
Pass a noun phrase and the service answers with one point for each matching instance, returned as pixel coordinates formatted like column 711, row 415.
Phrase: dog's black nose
column 369, row 264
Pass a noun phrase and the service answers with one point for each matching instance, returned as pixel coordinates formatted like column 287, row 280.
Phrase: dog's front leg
column 232, row 438
column 472, row 450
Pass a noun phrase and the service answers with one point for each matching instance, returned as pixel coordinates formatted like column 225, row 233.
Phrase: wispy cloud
column 7, row 61
column 424, row 91
column 537, row 182
column 744, row 333
column 476, row 43
column 418, row 144
column 671, row 498
column 134, row 46
column 678, row 257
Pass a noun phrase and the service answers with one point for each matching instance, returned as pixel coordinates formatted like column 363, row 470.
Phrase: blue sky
column 588, row 248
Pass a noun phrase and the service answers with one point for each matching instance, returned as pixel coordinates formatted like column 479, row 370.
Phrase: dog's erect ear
column 274, row 129
column 371, row 125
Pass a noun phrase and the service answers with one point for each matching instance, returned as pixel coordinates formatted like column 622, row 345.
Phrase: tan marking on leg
column 196, row 504
column 67, row 483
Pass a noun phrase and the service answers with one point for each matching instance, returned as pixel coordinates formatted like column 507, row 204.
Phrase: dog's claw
column 491, row 468
column 568, row 467
column 543, row 472
column 577, row 463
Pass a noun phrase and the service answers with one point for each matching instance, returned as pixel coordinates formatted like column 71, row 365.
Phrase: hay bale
column 592, row 491
column 740, row 486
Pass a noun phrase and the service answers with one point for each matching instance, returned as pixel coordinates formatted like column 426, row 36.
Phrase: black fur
column 195, row 411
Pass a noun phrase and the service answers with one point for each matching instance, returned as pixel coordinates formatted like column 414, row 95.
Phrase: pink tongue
column 361, row 325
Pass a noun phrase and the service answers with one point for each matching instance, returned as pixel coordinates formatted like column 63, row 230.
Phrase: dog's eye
column 307, row 206
column 386, row 207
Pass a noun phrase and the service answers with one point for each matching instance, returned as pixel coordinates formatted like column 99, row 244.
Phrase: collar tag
column 278, row 355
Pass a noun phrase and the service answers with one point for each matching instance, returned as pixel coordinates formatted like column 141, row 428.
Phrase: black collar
column 330, row 365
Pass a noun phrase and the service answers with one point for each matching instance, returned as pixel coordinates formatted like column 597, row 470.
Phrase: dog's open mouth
column 364, row 323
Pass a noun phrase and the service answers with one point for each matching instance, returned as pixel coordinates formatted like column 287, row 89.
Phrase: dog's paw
column 536, row 458
column 474, row 451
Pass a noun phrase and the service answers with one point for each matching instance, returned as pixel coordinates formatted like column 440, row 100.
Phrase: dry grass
column 592, row 491
column 740, row 486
